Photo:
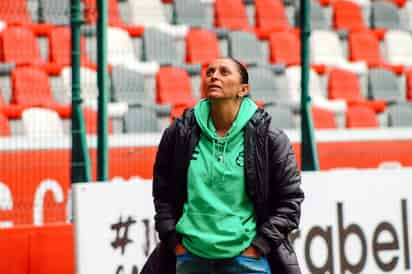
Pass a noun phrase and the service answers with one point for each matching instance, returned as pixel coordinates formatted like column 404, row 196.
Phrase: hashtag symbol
column 122, row 233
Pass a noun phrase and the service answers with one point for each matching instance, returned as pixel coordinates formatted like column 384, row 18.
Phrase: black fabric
column 272, row 182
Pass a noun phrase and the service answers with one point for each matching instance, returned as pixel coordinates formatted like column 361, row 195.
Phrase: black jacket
column 272, row 182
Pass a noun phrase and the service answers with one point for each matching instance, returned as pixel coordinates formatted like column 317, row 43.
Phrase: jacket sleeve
column 163, row 188
column 285, row 193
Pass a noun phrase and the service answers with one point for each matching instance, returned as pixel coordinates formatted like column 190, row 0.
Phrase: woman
column 226, row 188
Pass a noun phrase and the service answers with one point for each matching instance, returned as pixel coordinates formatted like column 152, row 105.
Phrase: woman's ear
column 244, row 90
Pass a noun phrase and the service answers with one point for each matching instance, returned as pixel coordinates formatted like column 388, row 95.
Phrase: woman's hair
column 244, row 76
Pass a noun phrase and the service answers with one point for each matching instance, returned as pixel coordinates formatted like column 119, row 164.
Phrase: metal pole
column 308, row 145
column 80, row 161
column 102, row 82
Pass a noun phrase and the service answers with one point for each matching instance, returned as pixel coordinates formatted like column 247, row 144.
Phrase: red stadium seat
column 31, row 88
column 348, row 16
column 361, row 117
column 173, row 86
column 90, row 119
column 364, row 46
column 270, row 15
column 343, row 84
column 284, row 48
column 60, row 47
column 20, row 46
column 14, row 12
column 231, row 14
column 4, row 126
column 52, row 242
column 91, row 12
column 409, row 85
column 202, row 46
column 323, row 119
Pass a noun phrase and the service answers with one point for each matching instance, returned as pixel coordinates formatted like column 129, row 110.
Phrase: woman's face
column 223, row 80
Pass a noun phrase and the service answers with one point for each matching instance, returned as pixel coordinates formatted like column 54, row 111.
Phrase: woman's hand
column 180, row 249
column 252, row 251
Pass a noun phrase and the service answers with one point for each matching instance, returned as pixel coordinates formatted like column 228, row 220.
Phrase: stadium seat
column 173, row 87
column 31, row 88
column 400, row 115
column 19, row 46
column 323, row 118
column 318, row 18
column 89, row 91
column 271, row 15
column 90, row 12
column 141, row 120
column 14, row 12
column 90, row 120
column 128, row 86
column 4, row 126
column 231, row 14
column 408, row 11
column 60, row 47
column 364, row 46
column 245, row 47
column 155, row 49
column 408, row 75
column 55, row 12
column 149, row 13
column 282, row 117
column 348, row 16
column 385, row 15
column 384, row 85
column 202, row 46
column 40, row 122
column 315, row 88
column 268, row 88
column 325, row 48
column 191, row 13
column 398, row 45
column 55, row 241
column 361, row 117
column 284, row 48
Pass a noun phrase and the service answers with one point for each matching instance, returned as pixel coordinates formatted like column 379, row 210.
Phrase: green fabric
column 218, row 218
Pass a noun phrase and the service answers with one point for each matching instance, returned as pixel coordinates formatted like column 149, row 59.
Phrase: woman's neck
column 224, row 114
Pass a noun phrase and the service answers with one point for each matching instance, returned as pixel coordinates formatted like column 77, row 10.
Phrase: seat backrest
column 284, row 48
column 89, row 90
column 383, row 85
column 271, row 14
column 361, row 117
column 20, row 46
column 122, row 51
column 231, row 14
column 348, row 16
column 60, row 47
column 409, row 85
column 323, row 118
column 245, row 47
column 31, row 87
column 318, row 18
column 294, row 77
column 159, row 47
column 4, row 125
column 282, row 117
column 266, row 87
column 91, row 12
column 398, row 47
column 202, row 46
column 128, row 85
column 190, row 12
column 42, row 122
column 146, row 13
column 400, row 115
column 325, row 47
column 364, row 46
column 55, row 12
column 343, row 84
column 14, row 11
column 140, row 120
column 385, row 15
column 173, row 86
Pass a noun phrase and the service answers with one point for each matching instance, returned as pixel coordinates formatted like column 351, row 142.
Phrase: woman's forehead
column 222, row 62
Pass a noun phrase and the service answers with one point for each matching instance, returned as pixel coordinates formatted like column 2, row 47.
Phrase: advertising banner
column 352, row 222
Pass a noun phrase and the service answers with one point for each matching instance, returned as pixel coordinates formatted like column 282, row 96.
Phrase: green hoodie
column 218, row 218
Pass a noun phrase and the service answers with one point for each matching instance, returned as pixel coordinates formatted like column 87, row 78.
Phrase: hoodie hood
column 205, row 122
